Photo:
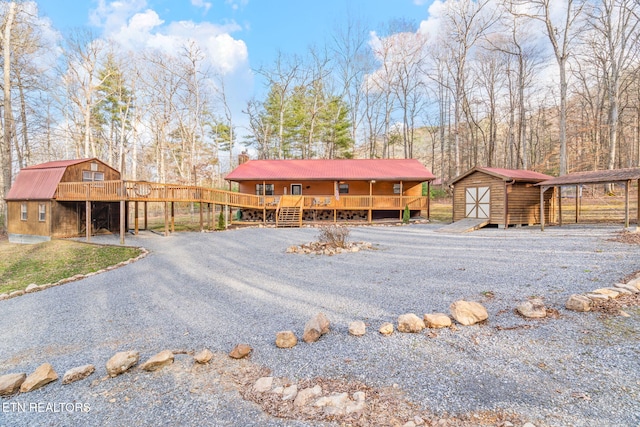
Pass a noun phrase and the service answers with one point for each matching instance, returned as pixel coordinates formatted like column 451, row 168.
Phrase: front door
column 296, row 189
column 477, row 202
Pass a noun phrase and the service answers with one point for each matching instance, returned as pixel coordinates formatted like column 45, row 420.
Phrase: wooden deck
column 143, row 191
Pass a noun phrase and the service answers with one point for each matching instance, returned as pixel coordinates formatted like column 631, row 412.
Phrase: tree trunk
column 8, row 115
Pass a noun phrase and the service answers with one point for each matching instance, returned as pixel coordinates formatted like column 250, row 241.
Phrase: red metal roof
column 595, row 177
column 331, row 170
column 517, row 175
column 39, row 182
column 36, row 184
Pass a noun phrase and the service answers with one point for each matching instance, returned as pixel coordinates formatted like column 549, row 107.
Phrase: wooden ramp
column 464, row 225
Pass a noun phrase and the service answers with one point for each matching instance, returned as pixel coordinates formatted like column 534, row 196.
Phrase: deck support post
column 201, row 217
column 173, row 217
column 123, row 220
column 401, row 207
column 370, row 216
column 166, row 218
column 428, row 200
column 136, row 221
column 146, row 215
column 88, row 220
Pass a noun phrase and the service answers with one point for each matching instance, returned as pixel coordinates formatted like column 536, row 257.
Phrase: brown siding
column 74, row 172
column 523, row 200
column 67, row 218
column 524, row 204
column 478, row 179
column 32, row 225
column 326, row 188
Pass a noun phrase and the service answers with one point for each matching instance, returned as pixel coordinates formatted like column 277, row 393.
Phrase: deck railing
column 143, row 191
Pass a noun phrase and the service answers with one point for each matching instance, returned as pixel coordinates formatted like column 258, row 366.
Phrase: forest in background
column 547, row 85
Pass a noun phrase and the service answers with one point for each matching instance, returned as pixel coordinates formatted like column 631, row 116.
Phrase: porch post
column 428, row 200
column 370, row 200
column 401, row 207
column 145, row 215
column 542, row 208
column 166, row 217
column 264, row 202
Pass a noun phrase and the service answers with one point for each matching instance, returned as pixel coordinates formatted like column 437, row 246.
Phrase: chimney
column 243, row 157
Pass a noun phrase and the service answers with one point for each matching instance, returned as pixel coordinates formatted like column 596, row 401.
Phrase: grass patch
column 48, row 262
column 441, row 210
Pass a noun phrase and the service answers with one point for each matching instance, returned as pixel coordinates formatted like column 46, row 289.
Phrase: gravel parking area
column 215, row 290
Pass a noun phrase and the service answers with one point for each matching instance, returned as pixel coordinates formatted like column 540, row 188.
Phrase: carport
column 616, row 176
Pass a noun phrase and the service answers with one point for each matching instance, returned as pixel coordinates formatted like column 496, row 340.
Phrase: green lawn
column 48, row 262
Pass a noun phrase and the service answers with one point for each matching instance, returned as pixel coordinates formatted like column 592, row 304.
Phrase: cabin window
column 94, row 166
column 42, row 212
column 343, row 188
column 396, row 188
column 23, row 212
column 89, row 176
column 267, row 190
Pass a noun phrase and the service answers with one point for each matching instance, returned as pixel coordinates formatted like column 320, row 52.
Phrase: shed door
column 477, row 202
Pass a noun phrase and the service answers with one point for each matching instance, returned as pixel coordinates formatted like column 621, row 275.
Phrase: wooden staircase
column 289, row 212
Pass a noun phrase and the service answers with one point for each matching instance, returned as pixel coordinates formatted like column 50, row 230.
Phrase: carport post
column 577, row 203
column 560, row 205
column 88, row 219
column 626, row 203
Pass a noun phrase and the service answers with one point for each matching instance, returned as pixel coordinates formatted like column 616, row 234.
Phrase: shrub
column 335, row 235
column 221, row 222
column 406, row 215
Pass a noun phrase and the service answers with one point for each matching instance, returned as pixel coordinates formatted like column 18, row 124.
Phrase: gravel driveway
column 215, row 290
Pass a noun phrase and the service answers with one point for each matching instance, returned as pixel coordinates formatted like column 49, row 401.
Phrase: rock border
column 36, row 288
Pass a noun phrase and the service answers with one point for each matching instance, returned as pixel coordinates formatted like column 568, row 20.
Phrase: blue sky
column 265, row 26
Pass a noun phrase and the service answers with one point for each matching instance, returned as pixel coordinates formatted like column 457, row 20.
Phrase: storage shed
column 502, row 197
column 34, row 215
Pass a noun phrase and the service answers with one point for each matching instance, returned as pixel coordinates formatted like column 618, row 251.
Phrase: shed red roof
column 39, row 182
column 517, row 175
column 331, row 170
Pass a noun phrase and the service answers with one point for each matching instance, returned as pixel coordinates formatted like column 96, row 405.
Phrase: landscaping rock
column 286, row 339
column 78, row 373
column 635, row 283
column 317, row 326
column 32, row 288
column 468, row 313
column 606, row 291
column 598, row 297
column 203, row 356
column 386, row 328
column 290, row 393
column 240, row 351
column 578, row 303
column 15, row 294
column 121, row 362
column 437, row 320
column 621, row 291
column 626, row 286
column 10, row 383
column 357, row 328
column 42, row 376
column 533, row 309
column 263, row 384
column 409, row 322
column 164, row 358
column 307, row 395
column 4, row 296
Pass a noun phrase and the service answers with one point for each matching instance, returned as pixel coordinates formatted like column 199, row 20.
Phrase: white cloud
column 135, row 28
column 201, row 3
column 237, row 4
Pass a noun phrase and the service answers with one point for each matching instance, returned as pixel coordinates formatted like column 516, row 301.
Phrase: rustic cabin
column 293, row 191
column 501, row 197
column 35, row 215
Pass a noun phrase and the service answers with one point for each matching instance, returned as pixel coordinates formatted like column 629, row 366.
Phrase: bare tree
column 8, row 125
column 616, row 24
column 561, row 29
column 466, row 23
